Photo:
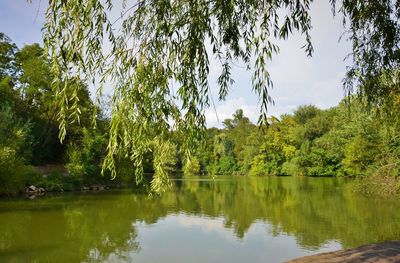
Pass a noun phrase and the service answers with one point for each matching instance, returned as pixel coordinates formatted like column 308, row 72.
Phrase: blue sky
column 297, row 79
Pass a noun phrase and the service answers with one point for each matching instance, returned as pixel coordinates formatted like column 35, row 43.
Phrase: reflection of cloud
column 207, row 225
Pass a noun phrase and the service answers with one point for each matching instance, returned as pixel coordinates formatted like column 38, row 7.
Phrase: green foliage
column 225, row 165
column 164, row 162
column 224, row 161
column 28, row 124
column 34, row 78
column 85, row 157
column 191, row 167
column 249, row 150
column 11, row 171
column 305, row 113
column 14, row 146
column 270, row 159
column 149, row 120
column 13, row 132
column 8, row 96
column 259, row 167
column 347, row 140
column 375, row 33
column 290, row 168
column 238, row 130
column 55, row 181
column 144, row 102
column 358, row 156
column 8, row 49
column 205, row 152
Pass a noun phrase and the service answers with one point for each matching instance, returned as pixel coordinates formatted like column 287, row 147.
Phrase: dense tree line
column 157, row 55
column 29, row 126
column 148, row 117
column 30, row 129
column 347, row 140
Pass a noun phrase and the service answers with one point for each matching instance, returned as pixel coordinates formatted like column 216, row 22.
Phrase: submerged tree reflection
column 104, row 227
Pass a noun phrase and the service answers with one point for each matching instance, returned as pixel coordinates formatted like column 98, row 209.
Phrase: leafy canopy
column 158, row 56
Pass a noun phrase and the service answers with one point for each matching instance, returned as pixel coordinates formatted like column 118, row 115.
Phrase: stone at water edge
column 31, row 188
column 387, row 252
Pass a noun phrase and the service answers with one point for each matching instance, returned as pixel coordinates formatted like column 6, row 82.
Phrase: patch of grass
column 54, row 182
column 377, row 185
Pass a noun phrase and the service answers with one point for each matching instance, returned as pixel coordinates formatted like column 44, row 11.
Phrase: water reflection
column 239, row 219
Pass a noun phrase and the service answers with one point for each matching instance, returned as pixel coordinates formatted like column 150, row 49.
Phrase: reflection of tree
column 313, row 210
column 98, row 228
column 105, row 236
column 77, row 229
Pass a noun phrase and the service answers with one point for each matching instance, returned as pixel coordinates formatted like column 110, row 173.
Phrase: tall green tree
column 8, row 50
column 164, row 43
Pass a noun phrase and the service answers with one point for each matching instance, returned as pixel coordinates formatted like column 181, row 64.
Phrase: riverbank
column 383, row 252
column 36, row 181
column 377, row 185
column 33, row 191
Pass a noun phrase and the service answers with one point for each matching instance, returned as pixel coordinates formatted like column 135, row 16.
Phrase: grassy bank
column 56, row 180
column 377, row 185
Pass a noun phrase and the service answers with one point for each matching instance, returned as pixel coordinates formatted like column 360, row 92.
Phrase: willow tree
column 156, row 56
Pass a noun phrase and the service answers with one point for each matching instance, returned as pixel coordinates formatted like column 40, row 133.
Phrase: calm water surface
column 226, row 220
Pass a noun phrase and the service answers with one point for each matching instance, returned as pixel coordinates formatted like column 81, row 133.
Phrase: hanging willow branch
column 154, row 45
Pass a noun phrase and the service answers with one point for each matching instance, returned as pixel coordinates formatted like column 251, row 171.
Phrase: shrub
column 85, row 158
column 290, row 168
column 191, row 167
column 258, row 167
column 14, row 145
column 12, row 172
column 226, row 165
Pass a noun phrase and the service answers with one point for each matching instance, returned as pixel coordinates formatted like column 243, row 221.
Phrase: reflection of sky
column 185, row 238
column 297, row 79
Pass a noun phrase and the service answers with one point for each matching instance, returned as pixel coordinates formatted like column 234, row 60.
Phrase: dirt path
column 384, row 252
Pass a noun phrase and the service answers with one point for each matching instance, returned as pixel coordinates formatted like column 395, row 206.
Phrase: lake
column 229, row 219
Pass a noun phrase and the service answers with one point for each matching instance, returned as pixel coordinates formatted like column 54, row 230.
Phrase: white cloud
column 226, row 109
column 297, row 79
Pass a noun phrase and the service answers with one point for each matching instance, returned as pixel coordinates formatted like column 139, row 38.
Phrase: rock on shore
column 382, row 253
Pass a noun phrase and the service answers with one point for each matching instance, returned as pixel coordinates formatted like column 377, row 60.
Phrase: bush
column 226, row 165
column 359, row 154
column 290, row 168
column 55, row 182
column 258, row 167
column 85, row 161
column 191, row 167
column 85, row 158
column 13, row 147
column 32, row 178
column 12, row 172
